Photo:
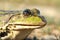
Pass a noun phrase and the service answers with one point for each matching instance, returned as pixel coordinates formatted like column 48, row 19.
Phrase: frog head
column 29, row 18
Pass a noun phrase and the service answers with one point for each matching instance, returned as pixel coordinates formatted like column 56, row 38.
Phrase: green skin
column 18, row 18
column 26, row 19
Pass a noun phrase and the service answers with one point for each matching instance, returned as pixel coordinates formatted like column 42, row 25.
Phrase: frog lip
column 26, row 24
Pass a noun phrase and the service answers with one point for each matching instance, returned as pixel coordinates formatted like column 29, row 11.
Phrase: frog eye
column 35, row 12
column 26, row 12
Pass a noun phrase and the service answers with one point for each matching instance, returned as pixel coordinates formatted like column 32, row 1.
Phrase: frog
column 28, row 19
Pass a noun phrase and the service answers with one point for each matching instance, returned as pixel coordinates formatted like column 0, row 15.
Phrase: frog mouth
column 26, row 24
column 18, row 26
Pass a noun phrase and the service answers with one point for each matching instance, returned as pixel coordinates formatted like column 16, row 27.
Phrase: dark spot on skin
column 2, row 34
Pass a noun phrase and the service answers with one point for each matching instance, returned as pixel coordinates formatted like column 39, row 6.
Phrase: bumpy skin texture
column 25, row 13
